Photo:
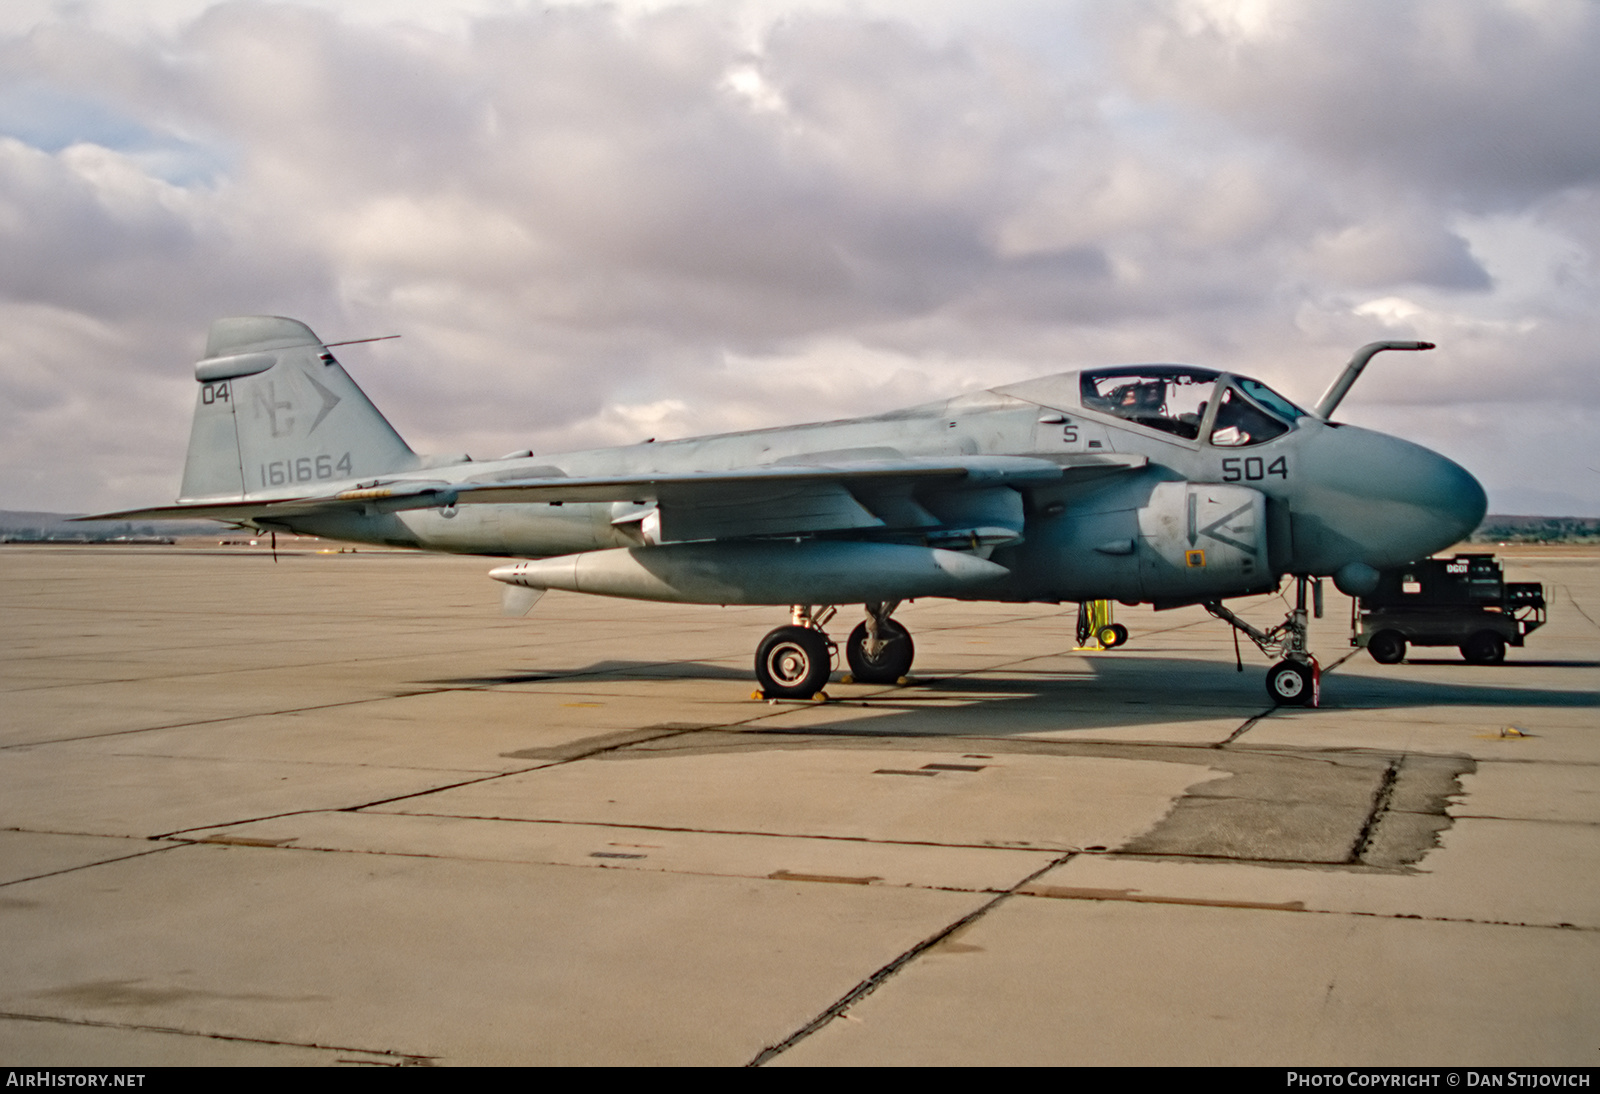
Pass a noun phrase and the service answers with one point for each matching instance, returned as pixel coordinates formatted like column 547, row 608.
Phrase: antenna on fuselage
column 1341, row 387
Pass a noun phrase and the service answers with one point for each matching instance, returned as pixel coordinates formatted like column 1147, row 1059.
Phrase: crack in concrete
column 1246, row 726
column 1578, row 607
column 879, row 978
column 1380, row 805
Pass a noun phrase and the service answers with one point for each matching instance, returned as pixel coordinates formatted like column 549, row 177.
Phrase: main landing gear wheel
column 1484, row 648
column 1113, row 636
column 1388, row 647
column 892, row 659
column 793, row 663
column 1289, row 683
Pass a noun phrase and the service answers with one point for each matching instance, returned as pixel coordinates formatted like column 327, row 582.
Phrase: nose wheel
column 1291, row 683
column 1297, row 679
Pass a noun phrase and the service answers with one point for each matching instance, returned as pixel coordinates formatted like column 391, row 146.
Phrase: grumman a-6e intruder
column 1161, row 484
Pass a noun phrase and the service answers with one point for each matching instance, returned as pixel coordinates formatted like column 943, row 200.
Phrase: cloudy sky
column 593, row 223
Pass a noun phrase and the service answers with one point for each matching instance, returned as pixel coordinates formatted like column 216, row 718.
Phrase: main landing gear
column 1297, row 679
column 793, row 662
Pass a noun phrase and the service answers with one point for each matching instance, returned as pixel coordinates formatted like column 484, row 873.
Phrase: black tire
column 1289, row 684
column 793, row 663
column 893, row 660
column 1387, row 647
column 1484, row 648
column 1113, row 635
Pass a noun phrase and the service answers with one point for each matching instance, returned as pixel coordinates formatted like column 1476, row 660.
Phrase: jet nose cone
column 1450, row 503
column 1457, row 499
column 1416, row 501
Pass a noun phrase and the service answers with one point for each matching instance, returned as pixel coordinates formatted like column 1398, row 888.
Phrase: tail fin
column 276, row 410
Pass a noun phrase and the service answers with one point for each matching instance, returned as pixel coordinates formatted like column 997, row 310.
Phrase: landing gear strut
column 1297, row 679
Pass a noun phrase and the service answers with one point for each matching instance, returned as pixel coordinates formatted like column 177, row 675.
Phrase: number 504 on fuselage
column 1162, row 484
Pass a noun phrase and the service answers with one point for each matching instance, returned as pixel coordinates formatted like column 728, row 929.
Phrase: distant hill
column 1509, row 529
column 26, row 527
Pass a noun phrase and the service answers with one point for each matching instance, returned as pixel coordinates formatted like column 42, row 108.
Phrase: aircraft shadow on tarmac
column 1337, row 817
column 611, row 670
column 1277, row 806
column 1113, row 692
column 1456, row 662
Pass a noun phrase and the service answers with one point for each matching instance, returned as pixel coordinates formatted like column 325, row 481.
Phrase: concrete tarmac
column 336, row 810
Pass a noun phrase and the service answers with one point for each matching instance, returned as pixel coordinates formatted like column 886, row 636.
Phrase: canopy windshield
column 1270, row 399
column 1171, row 398
column 1251, row 413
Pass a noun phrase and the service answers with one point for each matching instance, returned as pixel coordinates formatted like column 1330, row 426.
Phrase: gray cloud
column 1486, row 103
column 592, row 227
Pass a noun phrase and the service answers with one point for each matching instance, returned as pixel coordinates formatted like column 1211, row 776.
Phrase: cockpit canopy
column 1183, row 400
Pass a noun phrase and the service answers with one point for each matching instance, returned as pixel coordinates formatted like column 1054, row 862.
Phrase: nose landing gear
column 1297, row 679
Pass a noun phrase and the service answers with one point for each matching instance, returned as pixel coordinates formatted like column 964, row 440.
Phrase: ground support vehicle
column 1463, row 601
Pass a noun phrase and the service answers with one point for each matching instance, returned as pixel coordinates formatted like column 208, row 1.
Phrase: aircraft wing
column 703, row 487
column 771, row 499
column 393, row 496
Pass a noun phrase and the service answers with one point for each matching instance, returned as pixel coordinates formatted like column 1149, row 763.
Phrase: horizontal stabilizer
column 387, row 499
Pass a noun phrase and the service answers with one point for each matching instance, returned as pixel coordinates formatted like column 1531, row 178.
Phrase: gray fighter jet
column 1162, row 484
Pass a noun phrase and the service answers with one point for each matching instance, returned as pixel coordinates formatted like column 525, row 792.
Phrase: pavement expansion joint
column 609, row 860
column 85, row 866
column 1134, row 896
column 875, row 841
column 1567, row 821
column 181, row 834
column 235, row 717
column 377, row 1055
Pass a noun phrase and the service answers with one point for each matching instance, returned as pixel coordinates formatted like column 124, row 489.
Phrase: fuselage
column 1333, row 499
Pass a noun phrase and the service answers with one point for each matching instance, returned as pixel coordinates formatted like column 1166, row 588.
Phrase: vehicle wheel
column 1387, row 647
column 1113, row 635
column 1289, row 683
column 1484, row 648
column 793, row 663
column 893, row 660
